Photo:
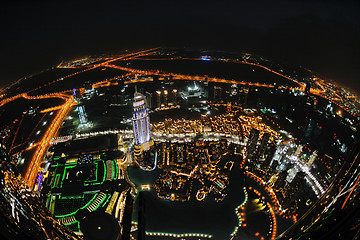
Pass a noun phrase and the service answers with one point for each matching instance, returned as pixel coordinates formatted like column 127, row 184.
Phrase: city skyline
column 319, row 35
column 247, row 138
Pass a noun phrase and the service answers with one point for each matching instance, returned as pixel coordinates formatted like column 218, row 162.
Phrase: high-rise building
column 298, row 150
column 166, row 97
column 243, row 96
column 144, row 153
column 174, row 96
column 82, row 114
column 141, row 121
column 148, row 100
column 264, row 144
column 158, row 99
column 217, row 94
column 292, row 173
column 309, row 126
column 312, row 159
column 252, row 143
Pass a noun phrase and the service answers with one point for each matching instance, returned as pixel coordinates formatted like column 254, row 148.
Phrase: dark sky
column 321, row 35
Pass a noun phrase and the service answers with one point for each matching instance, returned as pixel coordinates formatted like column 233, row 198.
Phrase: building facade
column 141, row 121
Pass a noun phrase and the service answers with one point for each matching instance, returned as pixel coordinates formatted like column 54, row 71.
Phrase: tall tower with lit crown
column 141, row 121
column 144, row 153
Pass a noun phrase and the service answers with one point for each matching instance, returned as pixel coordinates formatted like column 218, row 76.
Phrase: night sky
column 321, row 35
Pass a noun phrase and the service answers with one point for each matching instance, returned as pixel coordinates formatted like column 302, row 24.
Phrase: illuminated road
column 188, row 77
column 34, row 165
column 61, row 112
column 234, row 61
column 43, row 144
column 331, row 92
column 274, row 224
column 321, row 90
column 125, row 57
column 317, row 81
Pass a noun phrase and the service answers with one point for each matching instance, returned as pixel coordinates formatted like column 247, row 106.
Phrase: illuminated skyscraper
column 158, row 99
column 264, row 145
column 312, row 159
column 217, row 96
column 144, row 153
column 252, row 143
column 141, row 121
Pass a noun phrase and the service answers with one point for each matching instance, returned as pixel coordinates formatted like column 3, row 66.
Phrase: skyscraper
column 158, row 99
column 144, row 153
column 263, row 146
column 312, row 159
column 141, row 121
column 252, row 143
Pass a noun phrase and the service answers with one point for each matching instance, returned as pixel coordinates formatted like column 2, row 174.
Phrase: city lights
column 199, row 147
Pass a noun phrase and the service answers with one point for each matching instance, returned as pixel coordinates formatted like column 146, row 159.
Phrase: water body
column 208, row 217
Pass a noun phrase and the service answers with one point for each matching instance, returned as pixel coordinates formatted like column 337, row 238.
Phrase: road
column 42, row 146
column 62, row 110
